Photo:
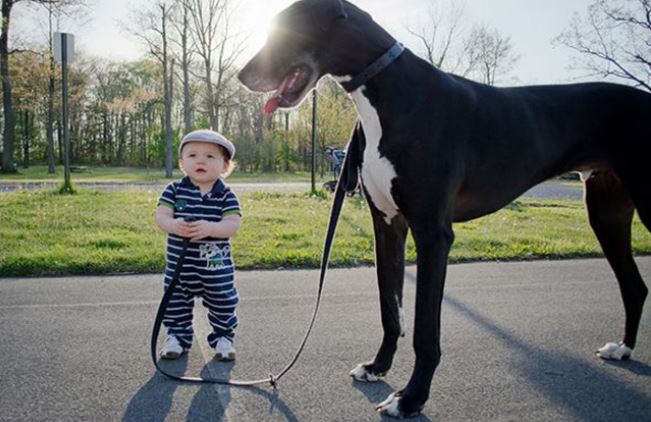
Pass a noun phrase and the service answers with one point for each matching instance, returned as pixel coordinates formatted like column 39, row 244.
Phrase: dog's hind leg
column 390, row 265
column 610, row 211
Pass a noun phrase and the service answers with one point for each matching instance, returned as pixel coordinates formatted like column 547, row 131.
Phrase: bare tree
column 613, row 40
column 206, row 17
column 439, row 34
column 218, row 48
column 154, row 33
column 181, row 21
column 7, row 101
column 489, row 55
column 483, row 54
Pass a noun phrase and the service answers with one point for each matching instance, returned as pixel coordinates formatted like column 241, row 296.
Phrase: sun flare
column 257, row 18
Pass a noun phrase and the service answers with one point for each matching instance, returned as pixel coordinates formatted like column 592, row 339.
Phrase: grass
column 39, row 174
column 97, row 232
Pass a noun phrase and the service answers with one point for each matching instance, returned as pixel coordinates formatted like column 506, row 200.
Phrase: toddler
column 201, row 208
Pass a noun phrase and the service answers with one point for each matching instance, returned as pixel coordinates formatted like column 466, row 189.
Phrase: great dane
column 435, row 149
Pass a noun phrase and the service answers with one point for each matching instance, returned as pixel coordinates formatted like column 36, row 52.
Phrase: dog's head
column 309, row 39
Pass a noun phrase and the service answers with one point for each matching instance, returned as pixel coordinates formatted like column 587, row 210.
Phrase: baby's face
column 203, row 162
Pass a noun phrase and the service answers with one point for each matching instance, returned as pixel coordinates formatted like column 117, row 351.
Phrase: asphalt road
column 518, row 342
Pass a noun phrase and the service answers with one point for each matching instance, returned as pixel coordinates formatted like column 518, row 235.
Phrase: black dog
column 437, row 149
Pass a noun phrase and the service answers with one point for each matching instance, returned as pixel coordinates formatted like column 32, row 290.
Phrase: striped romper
column 208, row 270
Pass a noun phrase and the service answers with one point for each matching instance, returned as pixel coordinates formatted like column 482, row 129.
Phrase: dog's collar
column 376, row 67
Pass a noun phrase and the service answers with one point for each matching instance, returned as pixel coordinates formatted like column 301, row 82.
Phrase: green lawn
column 93, row 232
column 37, row 174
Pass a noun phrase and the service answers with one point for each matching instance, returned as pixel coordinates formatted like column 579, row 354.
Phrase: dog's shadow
column 588, row 392
column 377, row 392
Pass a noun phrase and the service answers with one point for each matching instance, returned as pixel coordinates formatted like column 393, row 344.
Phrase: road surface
column 518, row 342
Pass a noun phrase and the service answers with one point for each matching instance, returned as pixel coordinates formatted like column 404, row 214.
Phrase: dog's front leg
column 433, row 242
column 390, row 267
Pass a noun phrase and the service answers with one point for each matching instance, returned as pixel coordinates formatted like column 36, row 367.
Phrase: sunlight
column 256, row 18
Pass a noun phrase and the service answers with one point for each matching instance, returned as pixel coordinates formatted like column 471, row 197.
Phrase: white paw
column 391, row 406
column 360, row 373
column 614, row 351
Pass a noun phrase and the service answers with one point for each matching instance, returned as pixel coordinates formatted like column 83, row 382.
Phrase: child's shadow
column 211, row 401
column 154, row 400
column 206, row 407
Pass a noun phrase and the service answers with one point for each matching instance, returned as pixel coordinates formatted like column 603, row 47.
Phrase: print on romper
column 214, row 255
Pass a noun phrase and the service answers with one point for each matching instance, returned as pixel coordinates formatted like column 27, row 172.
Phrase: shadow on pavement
column 154, row 400
column 631, row 365
column 587, row 392
column 377, row 392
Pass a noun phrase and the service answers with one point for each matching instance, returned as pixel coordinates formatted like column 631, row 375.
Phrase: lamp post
column 314, row 127
column 64, row 53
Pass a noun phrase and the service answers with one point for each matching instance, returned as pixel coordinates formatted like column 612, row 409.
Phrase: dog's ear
column 325, row 12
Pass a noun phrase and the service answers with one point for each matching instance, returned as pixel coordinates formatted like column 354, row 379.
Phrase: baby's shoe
column 224, row 349
column 172, row 348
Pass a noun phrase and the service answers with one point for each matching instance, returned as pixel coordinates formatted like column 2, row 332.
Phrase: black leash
column 338, row 200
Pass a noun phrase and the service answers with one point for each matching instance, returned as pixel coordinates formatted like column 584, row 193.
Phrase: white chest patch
column 377, row 172
column 585, row 175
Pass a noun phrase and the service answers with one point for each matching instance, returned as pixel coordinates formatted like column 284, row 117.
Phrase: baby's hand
column 181, row 228
column 200, row 229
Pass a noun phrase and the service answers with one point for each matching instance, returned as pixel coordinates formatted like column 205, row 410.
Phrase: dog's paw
column 615, row 351
column 363, row 373
column 391, row 406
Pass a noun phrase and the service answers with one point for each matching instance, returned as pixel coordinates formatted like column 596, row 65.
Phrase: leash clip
column 273, row 381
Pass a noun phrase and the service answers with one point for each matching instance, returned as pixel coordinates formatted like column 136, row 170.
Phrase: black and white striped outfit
column 208, row 270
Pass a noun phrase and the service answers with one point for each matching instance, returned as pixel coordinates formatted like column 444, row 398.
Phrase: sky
column 531, row 25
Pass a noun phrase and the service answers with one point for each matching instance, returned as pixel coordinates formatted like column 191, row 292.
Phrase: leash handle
column 338, row 200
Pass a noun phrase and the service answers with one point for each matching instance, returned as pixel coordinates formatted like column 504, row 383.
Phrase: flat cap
column 211, row 137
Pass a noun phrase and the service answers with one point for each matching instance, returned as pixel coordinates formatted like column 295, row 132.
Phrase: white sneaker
column 224, row 349
column 172, row 348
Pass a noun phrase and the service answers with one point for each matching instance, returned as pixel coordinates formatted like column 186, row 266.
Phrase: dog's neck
column 374, row 68
column 366, row 43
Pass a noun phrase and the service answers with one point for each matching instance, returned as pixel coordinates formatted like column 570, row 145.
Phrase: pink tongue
column 271, row 105
column 274, row 102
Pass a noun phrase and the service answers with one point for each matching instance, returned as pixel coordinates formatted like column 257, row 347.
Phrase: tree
column 613, row 40
column 7, row 103
column 7, row 100
column 483, row 54
column 438, row 36
column 182, row 25
column 218, row 48
column 155, row 35
column 489, row 54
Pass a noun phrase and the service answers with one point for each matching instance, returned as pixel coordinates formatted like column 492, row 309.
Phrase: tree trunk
column 210, row 98
column 187, row 105
column 169, row 154
column 120, row 133
column 105, row 138
column 9, row 130
column 27, row 133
